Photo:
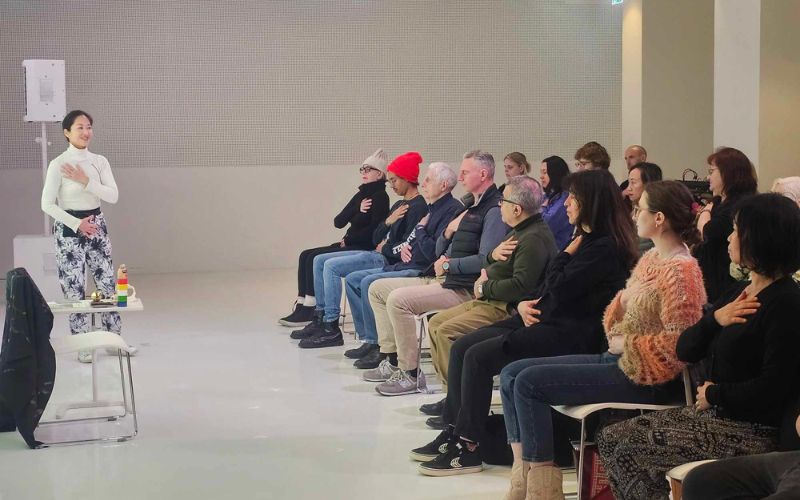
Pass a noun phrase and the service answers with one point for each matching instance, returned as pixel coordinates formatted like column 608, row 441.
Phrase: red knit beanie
column 406, row 166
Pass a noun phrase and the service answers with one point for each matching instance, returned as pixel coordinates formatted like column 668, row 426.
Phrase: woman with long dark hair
column 552, row 173
column 731, row 177
column 663, row 297
column 563, row 317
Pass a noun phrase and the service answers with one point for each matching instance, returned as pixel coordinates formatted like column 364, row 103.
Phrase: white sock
column 310, row 301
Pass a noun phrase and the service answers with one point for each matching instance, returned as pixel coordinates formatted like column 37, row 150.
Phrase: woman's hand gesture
column 735, row 312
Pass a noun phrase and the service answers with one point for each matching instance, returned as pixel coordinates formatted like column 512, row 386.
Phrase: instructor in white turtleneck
column 77, row 181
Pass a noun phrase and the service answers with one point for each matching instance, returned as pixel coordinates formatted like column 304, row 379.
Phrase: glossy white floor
column 229, row 407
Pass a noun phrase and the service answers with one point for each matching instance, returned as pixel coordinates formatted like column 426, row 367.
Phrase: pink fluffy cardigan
column 655, row 318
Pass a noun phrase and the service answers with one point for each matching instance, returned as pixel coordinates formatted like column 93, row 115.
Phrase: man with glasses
column 512, row 271
column 592, row 156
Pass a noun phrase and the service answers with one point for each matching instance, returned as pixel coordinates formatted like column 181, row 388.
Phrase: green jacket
column 511, row 280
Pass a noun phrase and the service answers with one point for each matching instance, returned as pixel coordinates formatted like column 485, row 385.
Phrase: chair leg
column 421, row 324
column 581, row 458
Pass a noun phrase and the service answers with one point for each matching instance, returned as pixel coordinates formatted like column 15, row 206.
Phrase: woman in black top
column 564, row 318
column 747, row 346
column 364, row 212
column 731, row 177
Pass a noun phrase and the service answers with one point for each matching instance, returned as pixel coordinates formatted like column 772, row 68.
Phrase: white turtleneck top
column 61, row 194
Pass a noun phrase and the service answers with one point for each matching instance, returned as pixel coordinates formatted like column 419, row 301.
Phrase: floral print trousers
column 73, row 255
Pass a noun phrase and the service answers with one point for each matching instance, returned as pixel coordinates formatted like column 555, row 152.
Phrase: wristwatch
column 446, row 266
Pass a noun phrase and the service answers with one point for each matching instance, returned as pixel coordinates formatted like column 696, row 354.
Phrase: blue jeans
column 530, row 386
column 357, row 289
column 329, row 269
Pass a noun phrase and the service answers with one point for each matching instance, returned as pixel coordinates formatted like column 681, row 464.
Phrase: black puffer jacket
column 27, row 361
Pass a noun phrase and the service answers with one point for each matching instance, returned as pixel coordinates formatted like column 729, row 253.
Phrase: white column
column 631, row 79
column 737, row 70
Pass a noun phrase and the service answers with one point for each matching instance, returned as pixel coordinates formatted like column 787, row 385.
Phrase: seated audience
column 514, row 268
column 747, row 345
column 390, row 236
column 365, row 210
column 663, row 297
column 634, row 154
column 553, row 171
column 462, row 250
column 638, row 177
column 439, row 180
column 592, row 156
column 563, row 318
column 731, row 177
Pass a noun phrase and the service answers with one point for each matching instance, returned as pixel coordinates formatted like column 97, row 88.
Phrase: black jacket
column 399, row 233
column 423, row 244
column 27, row 361
column 755, row 366
column 712, row 253
column 362, row 225
column 576, row 291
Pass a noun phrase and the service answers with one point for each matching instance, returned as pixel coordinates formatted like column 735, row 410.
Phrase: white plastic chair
column 581, row 412
column 94, row 341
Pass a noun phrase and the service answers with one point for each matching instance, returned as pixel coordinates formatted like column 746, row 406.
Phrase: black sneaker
column 436, row 422
column 311, row 328
column 433, row 409
column 361, row 351
column 435, row 448
column 457, row 460
column 301, row 316
column 329, row 336
column 370, row 361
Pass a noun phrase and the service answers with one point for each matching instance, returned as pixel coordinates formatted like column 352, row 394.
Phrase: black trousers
column 770, row 475
column 305, row 267
column 477, row 357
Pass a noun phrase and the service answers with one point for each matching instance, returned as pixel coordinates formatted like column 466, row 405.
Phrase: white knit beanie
column 378, row 160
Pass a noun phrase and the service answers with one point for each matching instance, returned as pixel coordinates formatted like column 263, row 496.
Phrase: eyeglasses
column 508, row 201
column 581, row 164
column 711, row 170
column 367, row 169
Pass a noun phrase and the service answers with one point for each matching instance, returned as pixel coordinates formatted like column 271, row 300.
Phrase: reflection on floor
column 229, row 407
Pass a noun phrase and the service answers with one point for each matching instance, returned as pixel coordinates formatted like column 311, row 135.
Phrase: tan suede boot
column 519, row 481
column 544, row 483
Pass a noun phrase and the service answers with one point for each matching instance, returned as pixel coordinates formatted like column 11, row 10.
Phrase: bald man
column 633, row 154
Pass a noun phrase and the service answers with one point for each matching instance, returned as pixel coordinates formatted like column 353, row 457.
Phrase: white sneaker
column 85, row 356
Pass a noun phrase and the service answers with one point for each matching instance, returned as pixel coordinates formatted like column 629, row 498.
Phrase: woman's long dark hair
column 603, row 210
column 557, row 170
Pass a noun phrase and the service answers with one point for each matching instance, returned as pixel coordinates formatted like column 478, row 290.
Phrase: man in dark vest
column 463, row 249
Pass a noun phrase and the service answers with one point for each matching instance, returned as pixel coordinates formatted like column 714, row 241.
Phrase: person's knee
column 353, row 283
column 698, row 483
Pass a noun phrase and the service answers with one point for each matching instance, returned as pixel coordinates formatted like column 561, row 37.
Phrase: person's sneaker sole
column 412, row 390
column 449, row 472
column 327, row 343
column 283, row 322
column 421, row 457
